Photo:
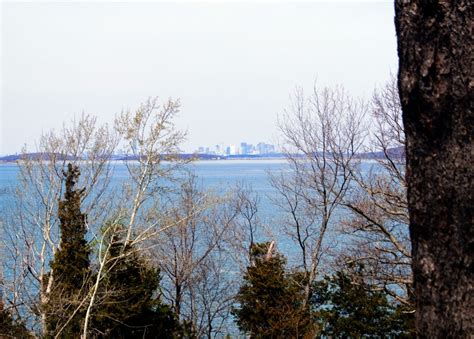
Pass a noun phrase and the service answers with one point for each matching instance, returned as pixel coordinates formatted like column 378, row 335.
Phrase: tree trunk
column 436, row 90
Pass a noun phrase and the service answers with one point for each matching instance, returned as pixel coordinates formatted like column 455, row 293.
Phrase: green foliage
column 126, row 305
column 70, row 265
column 9, row 327
column 347, row 307
column 71, row 262
column 270, row 300
column 129, row 307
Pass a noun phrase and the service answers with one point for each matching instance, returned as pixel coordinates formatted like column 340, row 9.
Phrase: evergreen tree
column 70, row 266
column 270, row 299
column 345, row 308
column 9, row 327
column 129, row 306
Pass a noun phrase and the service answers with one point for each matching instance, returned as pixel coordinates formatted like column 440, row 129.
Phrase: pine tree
column 70, row 267
column 270, row 299
column 9, row 327
column 129, row 306
column 345, row 306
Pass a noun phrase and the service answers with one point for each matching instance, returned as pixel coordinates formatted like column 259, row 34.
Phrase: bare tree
column 194, row 258
column 150, row 138
column 378, row 224
column 32, row 226
column 151, row 141
column 212, row 295
column 248, row 227
column 323, row 133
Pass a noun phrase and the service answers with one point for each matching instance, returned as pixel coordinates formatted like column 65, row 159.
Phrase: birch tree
column 31, row 236
column 149, row 138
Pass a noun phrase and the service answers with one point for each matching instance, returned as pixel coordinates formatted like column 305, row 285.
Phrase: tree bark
column 436, row 90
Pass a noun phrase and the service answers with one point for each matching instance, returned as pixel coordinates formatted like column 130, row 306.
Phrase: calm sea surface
column 219, row 175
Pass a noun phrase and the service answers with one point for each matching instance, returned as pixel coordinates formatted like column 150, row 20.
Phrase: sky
column 232, row 64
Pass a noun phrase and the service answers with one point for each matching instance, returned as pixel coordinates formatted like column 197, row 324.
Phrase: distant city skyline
column 232, row 64
column 242, row 148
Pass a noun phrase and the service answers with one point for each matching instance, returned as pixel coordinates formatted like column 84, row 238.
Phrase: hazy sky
column 232, row 64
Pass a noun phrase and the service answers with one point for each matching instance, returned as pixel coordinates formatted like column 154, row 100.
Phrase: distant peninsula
column 397, row 152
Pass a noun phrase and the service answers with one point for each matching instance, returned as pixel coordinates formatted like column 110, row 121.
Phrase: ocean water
column 217, row 175
column 8, row 176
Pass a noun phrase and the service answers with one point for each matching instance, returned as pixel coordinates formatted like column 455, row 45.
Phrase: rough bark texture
column 436, row 90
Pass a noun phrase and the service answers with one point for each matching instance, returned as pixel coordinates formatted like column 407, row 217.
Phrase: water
column 218, row 175
column 8, row 176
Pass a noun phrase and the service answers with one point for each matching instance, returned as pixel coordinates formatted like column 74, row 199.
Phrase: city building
column 245, row 148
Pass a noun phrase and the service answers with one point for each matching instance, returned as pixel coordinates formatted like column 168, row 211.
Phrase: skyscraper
column 244, row 148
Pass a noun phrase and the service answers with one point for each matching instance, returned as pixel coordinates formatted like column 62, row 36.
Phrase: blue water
column 8, row 176
column 218, row 175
